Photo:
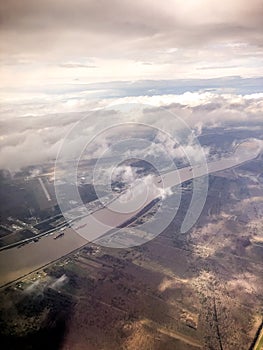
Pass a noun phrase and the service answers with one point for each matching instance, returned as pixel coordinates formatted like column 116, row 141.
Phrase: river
column 17, row 262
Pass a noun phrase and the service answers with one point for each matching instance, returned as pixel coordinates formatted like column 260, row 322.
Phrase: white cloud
column 31, row 140
column 59, row 282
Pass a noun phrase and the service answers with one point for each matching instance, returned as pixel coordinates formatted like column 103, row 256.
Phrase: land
column 199, row 290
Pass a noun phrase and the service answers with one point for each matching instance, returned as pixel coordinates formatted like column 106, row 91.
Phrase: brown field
column 202, row 290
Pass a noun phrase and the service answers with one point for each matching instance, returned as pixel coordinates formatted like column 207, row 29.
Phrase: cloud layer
column 60, row 41
column 151, row 24
column 32, row 140
column 55, row 53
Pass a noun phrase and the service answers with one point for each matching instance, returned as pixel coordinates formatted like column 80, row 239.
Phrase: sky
column 59, row 57
column 60, row 41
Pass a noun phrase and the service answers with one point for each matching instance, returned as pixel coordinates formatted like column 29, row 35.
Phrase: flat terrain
column 200, row 290
column 16, row 262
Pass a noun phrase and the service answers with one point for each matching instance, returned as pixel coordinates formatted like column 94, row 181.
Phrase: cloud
column 32, row 140
column 112, row 40
column 124, row 173
column 177, row 23
column 32, row 287
column 76, row 65
column 143, row 186
column 33, row 150
column 59, row 282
